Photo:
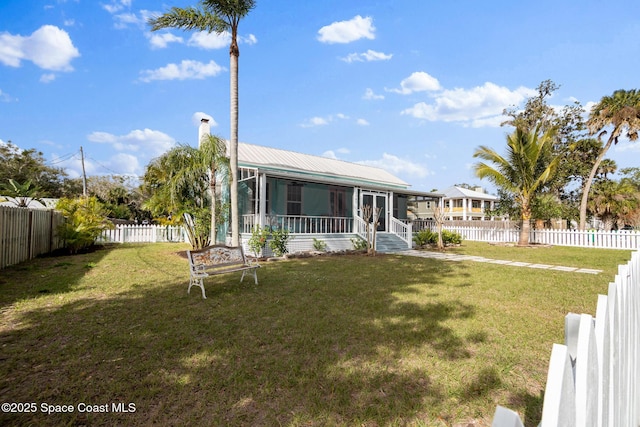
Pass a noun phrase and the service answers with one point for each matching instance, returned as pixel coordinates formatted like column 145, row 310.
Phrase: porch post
column 262, row 199
column 354, row 208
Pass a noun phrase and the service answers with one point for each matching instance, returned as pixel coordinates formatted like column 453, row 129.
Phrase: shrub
column 319, row 245
column 359, row 244
column 425, row 237
column 279, row 240
column 258, row 239
column 451, row 237
column 85, row 220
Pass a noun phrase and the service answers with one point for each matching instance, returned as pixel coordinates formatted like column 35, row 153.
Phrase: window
column 337, row 202
column 294, row 199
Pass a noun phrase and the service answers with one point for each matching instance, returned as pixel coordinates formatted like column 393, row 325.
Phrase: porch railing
column 403, row 230
column 302, row 224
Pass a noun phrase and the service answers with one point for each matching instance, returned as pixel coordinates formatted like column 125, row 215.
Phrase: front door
column 376, row 201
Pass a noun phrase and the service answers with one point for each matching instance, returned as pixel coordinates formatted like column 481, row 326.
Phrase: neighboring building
column 319, row 198
column 423, row 207
column 464, row 204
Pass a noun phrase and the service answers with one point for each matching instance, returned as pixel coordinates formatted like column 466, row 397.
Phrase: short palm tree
column 522, row 172
column 620, row 111
column 179, row 179
column 612, row 201
column 217, row 16
column 22, row 194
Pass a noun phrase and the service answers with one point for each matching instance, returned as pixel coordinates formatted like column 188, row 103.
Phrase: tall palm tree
column 217, row 16
column 620, row 110
column 522, row 172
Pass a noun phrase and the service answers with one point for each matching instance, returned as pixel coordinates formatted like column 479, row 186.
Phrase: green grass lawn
column 335, row 340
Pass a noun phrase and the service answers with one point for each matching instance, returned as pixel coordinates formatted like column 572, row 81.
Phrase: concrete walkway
column 454, row 257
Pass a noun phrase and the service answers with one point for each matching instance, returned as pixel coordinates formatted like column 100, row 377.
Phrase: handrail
column 402, row 230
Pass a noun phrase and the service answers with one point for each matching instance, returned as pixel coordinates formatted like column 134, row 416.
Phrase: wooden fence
column 27, row 233
column 622, row 239
column 142, row 234
column 594, row 378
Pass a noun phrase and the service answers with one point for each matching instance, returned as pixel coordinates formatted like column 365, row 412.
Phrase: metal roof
column 299, row 165
column 457, row 192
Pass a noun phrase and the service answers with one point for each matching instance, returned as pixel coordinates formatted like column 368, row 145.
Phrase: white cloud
column 369, row 94
column 396, row 165
column 49, row 47
column 362, row 122
column 250, row 39
column 369, row 55
column 161, row 41
column 4, row 97
column 186, row 70
column 149, row 142
column 314, row 121
column 332, row 154
column 116, row 5
column 347, row 31
column 476, row 107
column 417, row 82
column 206, row 40
column 197, row 117
column 47, row 78
column 126, row 164
column 322, row 121
column 123, row 20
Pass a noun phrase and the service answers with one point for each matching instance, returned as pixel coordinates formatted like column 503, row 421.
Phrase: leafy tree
column 621, row 111
column 575, row 153
column 522, row 172
column 24, row 166
column 119, row 194
column 85, row 219
column 217, row 16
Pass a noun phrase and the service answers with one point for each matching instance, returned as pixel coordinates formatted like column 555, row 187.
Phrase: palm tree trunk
column 213, row 183
column 587, row 184
column 525, row 226
column 233, row 145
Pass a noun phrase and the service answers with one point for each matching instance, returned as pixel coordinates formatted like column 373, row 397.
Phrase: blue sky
column 411, row 86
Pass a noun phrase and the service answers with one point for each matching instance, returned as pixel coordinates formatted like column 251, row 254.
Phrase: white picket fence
column 594, row 378
column 622, row 239
column 142, row 234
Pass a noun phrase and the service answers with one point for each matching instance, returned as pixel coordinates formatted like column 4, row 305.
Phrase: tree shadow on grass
column 48, row 274
column 305, row 347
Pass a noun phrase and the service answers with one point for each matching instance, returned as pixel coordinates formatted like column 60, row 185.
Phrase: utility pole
column 84, row 174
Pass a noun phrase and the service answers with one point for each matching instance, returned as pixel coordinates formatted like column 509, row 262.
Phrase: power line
column 61, row 159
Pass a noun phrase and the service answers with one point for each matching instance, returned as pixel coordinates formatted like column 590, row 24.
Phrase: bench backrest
column 216, row 256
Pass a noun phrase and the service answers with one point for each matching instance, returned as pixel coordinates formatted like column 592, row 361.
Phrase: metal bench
column 218, row 259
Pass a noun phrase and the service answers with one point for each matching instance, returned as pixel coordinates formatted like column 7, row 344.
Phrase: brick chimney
column 204, row 129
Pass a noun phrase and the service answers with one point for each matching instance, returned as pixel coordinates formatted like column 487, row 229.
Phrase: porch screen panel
column 294, row 199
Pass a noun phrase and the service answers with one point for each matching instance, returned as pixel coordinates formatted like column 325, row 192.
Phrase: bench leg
column 255, row 276
column 197, row 281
